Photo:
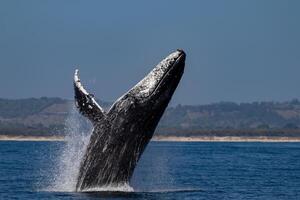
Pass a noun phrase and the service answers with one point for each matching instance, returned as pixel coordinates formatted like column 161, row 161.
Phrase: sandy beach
column 30, row 138
column 166, row 139
column 225, row 139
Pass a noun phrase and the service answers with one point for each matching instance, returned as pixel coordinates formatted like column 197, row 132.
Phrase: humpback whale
column 121, row 134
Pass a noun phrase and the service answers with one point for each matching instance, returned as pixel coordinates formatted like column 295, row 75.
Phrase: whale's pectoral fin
column 85, row 102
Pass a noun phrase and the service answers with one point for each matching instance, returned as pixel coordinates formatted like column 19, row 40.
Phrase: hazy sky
column 236, row 50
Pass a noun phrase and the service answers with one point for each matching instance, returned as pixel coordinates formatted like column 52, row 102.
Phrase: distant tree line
column 47, row 116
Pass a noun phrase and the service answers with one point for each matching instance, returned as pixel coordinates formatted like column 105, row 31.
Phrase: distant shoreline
column 168, row 138
column 30, row 138
column 226, row 139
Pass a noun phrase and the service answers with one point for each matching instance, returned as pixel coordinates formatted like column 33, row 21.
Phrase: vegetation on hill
column 47, row 116
column 25, row 107
column 229, row 115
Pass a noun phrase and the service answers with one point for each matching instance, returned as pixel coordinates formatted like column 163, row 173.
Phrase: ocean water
column 167, row 170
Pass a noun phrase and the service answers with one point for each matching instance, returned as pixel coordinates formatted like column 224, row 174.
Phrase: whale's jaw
column 121, row 134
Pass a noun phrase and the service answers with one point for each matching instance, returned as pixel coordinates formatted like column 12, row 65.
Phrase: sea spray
column 66, row 171
column 63, row 177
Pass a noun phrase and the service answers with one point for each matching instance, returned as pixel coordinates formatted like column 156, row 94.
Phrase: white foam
column 111, row 188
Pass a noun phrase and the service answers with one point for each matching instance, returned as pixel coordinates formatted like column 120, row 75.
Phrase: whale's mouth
column 164, row 73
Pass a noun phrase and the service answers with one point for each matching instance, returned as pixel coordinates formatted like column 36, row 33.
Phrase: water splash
column 111, row 188
column 66, row 169
column 68, row 162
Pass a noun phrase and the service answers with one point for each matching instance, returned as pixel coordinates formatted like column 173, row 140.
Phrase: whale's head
column 147, row 100
column 161, row 82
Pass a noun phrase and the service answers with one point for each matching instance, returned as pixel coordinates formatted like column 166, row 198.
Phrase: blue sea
column 167, row 170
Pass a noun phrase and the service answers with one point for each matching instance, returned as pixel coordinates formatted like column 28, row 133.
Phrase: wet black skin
column 121, row 134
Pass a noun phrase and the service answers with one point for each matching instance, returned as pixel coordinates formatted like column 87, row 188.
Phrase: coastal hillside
column 47, row 116
column 229, row 115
